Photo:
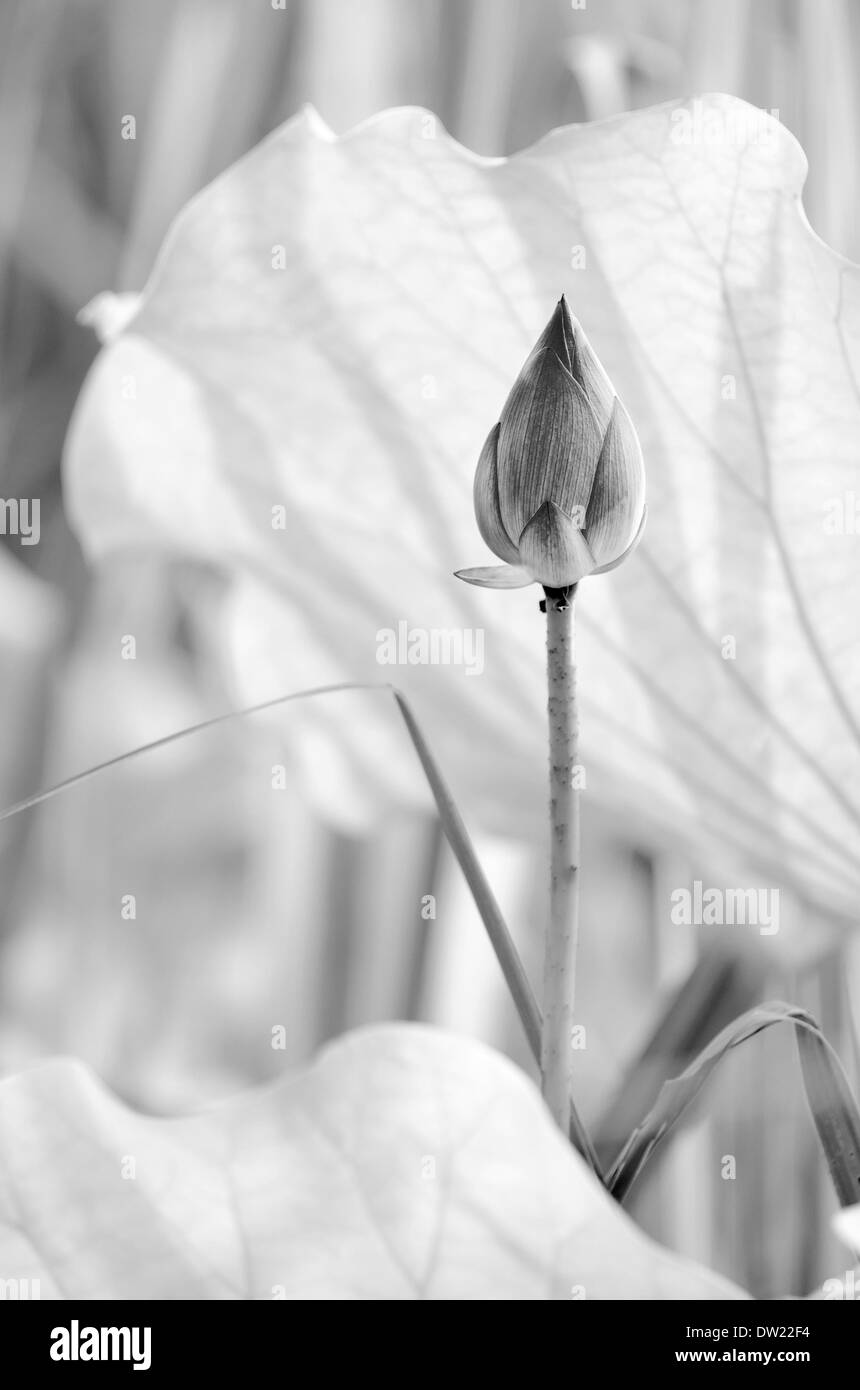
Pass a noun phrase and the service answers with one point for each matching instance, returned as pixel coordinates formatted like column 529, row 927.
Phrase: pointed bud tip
column 568, row 317
column 559, row 335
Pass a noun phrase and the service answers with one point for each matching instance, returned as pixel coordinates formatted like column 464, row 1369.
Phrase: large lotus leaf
column 333, row 327
column 404, row 1163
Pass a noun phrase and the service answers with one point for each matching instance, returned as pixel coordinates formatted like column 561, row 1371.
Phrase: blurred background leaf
column 352, row 385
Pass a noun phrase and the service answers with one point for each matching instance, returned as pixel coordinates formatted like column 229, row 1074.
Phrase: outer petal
column 496, row 576
column 589, row 373
column 486, row 497
column 619, row 559
column 615, row 510
column 549, row 442
column 554, row 550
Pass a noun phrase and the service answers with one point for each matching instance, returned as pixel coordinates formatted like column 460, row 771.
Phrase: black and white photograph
column 429, row 669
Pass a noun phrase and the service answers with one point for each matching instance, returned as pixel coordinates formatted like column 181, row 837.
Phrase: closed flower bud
column 560, row 485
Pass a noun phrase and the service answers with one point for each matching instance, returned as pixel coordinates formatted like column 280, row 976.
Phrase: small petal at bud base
column 496, row 576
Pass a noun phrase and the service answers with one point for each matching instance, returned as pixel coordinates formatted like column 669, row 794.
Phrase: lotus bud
column 560, row 485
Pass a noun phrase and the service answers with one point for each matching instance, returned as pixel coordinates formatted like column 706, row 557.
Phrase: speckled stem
column 561, row 942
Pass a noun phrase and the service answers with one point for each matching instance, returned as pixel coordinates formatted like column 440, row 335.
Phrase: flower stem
column 561, row 941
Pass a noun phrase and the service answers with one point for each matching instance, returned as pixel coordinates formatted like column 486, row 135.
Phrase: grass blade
column 455, row 833
column 452, row 824
column 833, row 1106
column 500, row 938
column 458, row 838
column 834, row 1111
column 717, row 989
